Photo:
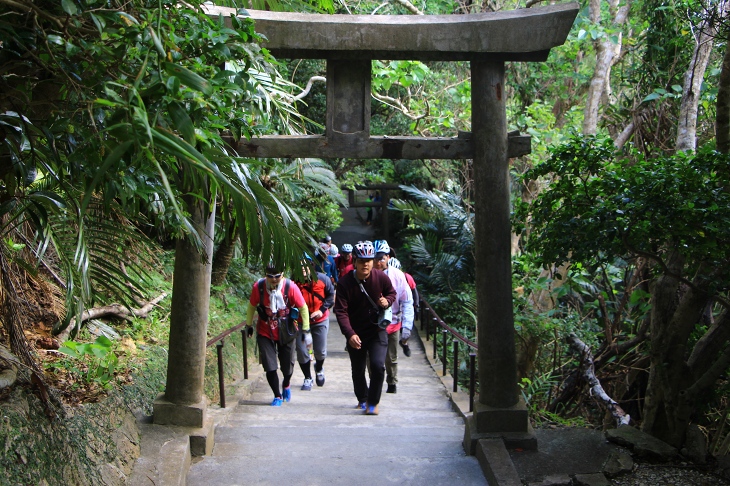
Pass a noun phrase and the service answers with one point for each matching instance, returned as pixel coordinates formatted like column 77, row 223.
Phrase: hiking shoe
column 307, row 386
column 371, row 409
column 276, row 402
column 406, row 349
column 287, row 394
column 391, row 388
column 320, row 378
column 361, row 405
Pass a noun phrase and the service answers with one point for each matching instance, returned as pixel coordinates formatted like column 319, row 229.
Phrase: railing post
column 444, row 351
column 472, row 378
column 435, row 340
column 456, row 364
column 221, row 384
column 245, row 353
column 423, row 315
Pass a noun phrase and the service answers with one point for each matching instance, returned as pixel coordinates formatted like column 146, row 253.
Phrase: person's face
column 382, row 264
column 347, row 256
column 363, row 267
column 273, row 279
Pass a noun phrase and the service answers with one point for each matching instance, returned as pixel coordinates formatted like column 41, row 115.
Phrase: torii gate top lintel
column 512, row 35
column 349, row 43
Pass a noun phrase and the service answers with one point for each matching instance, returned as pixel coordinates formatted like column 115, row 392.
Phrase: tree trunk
column 722, row 121
column 606, row 54
column 667, row 409
column 189, row 308
column 687, row 126
column 222, row 259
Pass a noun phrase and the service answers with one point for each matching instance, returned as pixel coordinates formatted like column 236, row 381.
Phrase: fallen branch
column 597, row 391
column 113, row 310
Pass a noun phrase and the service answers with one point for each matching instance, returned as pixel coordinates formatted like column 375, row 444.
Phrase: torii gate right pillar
column 500, row 412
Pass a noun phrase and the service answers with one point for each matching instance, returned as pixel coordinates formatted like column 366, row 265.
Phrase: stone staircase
column 319, row 438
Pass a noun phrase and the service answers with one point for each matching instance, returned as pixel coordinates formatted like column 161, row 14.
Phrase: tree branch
column 622, row 418
column 113, row 310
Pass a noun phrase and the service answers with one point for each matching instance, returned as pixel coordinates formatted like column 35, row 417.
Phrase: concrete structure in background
column 349, row 43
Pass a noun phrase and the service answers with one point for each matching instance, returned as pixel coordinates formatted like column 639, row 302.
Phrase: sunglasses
column 277, row 275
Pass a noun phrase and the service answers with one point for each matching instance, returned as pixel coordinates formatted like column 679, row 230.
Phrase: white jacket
column 403, row 305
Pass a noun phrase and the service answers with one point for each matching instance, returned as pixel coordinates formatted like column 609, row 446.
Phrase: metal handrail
column 428, row 315
column 219, row 341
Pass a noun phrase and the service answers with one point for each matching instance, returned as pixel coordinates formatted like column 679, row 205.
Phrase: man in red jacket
column 360, row 298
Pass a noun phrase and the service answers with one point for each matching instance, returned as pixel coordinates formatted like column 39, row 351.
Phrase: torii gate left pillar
column 350, row 43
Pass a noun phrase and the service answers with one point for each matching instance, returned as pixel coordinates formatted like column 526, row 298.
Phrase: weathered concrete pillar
column 183, row 402
column 348, row 99
column 499, row 411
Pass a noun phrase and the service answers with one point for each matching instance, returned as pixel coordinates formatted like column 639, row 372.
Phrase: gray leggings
column 319, row 343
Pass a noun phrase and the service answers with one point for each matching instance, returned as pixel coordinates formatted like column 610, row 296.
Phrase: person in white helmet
column 402, row 313
column 344, row 262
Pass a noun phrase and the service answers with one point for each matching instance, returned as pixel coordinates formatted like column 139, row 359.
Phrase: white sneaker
column 307, row 386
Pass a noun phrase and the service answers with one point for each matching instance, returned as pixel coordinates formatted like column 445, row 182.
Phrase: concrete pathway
column 319, row 438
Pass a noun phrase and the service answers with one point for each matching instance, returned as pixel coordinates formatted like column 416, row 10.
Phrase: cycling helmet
column 327, row 239
column 381, row 246
column 347, row 248
column 394, row 262
column 364, row 249
column 333, row 250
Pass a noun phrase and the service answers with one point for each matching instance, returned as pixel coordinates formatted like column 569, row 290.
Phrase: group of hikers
column 374, row 303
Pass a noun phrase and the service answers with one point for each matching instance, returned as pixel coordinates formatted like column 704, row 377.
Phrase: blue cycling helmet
column 381, row 246
column 364, row 249
column 394, row 262
column 347, row 248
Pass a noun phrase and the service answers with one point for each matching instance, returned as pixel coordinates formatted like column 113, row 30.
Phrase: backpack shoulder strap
column 261, row 291
column 287, row 284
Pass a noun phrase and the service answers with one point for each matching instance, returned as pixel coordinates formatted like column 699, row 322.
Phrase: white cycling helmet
column 394, row 262
column 364, row 249
column 347, row 248
column 381, row 246
column 333, row 250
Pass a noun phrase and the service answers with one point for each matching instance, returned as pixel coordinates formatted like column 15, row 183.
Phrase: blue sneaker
column 276, row 402
column 287, row 394
column 371, row 409
column 360, row 405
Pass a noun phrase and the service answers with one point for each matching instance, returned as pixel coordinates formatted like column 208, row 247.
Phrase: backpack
column 288, row 327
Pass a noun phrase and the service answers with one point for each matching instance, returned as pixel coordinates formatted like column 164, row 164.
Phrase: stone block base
column 512, row 440
column 496, row 463
column 512, row 419
column 167, row 413
column 201, row 440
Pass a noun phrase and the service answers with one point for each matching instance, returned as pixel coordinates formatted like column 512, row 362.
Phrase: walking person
column 273, row 300
column 394, row 262
column 344, row 261
column 363, row 298
column 319, row 295
column 400, row 329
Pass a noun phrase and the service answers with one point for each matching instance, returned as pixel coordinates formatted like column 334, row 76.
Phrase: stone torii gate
column 349, row 43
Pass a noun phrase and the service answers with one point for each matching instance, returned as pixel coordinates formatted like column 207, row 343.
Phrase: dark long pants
column 373, row 349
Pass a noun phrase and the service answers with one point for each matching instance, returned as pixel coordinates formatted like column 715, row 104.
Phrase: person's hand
column 354, row 341
column 307, row 338
column 315, row 315
column 249, row 331
column 404, row 335
column 383, row 302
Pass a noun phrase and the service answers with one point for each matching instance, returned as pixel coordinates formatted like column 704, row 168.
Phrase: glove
column 249, row 331
column 405, row 334
column 307, row 338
